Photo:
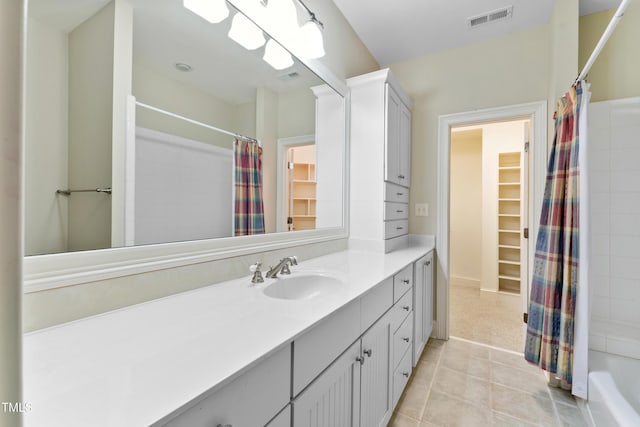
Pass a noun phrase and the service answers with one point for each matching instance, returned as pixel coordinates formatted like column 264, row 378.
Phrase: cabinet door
column 422, row 304
column 332, row 400
column 375, row 391
column 404, row 147
column 392, row 137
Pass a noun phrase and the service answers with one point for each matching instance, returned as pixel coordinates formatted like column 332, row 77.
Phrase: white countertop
column 133, row 366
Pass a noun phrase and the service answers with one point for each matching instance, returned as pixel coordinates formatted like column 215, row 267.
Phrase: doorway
column 488, row 226
column 296, row 176
column 536, row 112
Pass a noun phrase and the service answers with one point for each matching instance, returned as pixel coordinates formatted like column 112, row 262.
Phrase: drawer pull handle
column 405, row 374
column 406, row 281
column 399, row 228
column 368, row 352
column 401, row 176
column 405, row 339
column 406, row 308
column 226, row 425
column 399, row 211
column 360, row 359
column 399, row 194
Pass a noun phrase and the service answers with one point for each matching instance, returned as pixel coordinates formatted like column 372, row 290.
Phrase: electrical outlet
column 422, row 209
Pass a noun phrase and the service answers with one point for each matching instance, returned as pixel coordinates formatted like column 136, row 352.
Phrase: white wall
column 466, row 213
column 267, row 132
column 496, row 138
column 90, row 129
column 614, row 189
column 11, row 249
column 46, row 136
column 153, row 88
column 296, row 113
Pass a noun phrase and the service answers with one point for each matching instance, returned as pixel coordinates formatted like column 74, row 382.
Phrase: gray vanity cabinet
column 355, row 389
column 423, row 304
column 252, row 399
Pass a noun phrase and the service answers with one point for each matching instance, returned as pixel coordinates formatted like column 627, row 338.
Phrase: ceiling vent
column 493, row 16
column 289, row 75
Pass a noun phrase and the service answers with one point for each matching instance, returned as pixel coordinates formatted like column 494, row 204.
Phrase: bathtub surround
column 614, row 156
column 11, row 211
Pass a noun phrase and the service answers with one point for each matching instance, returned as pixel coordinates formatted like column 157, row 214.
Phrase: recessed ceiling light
column 181, row 66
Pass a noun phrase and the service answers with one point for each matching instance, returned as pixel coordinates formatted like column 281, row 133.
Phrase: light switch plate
column 422, row 209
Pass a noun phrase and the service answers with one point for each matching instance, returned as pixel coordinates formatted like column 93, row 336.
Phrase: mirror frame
column 42, row 272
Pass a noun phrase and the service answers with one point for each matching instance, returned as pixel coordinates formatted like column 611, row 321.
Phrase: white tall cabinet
column 380, row 160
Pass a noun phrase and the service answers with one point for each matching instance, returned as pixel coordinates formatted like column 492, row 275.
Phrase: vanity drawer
column 401, row 310
column 375, row 303
column 395, row 228
column 394, row 210
column 401, row 377
column 402, row 282
column 265, row 389
column 395, row 193
column 318, row 347
column 402, row 339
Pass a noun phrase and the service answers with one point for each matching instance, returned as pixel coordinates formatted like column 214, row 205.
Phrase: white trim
column 283, row 144
column 58, row 270
column 537, row 112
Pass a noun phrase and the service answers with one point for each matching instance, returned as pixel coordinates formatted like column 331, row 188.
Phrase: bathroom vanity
column 229, row 354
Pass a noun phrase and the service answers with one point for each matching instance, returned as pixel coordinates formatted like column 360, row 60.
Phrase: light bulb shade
column 245, row 32
column 311, row 39
column 213, row 11
column 277, row 56
column 283, row 14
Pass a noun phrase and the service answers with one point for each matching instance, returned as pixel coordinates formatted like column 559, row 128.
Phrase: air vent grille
column 493, row 16
column 289, row 75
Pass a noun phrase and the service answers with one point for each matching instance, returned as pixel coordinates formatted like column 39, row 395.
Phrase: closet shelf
column 509, row 168
column 304, row 181
column 508, row 231
column 504, row 199
column 509, row 247
column 510, row 215
column 509, row 184
column 505, row 277
column 510, row 224
column 504, row 261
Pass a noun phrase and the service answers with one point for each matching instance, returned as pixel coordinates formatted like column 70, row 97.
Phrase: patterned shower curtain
column 550, row 326
column 249, row 206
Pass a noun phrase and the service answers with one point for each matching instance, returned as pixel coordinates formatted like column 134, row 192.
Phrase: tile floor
column 491, row 318
column 459, row 383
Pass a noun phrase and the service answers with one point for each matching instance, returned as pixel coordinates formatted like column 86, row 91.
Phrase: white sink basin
column 299, row 286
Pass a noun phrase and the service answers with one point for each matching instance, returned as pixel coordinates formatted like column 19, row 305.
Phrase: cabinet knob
column 406, row 281
column 428, row 263
column 405, row 374
column 368, row 352
column 405, row 339
column 406, row 308
column 360, row 359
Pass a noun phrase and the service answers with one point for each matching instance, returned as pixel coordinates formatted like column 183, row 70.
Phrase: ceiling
column 397, row 30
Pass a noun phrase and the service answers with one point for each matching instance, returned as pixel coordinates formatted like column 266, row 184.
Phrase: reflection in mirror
column 148, row 99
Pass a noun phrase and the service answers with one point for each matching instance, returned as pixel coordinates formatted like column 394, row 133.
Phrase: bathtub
column 614, row 390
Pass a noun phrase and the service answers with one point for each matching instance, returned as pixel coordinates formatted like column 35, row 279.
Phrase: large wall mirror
column 133, row 110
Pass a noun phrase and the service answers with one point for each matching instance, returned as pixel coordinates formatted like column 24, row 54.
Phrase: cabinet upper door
column 404, row 148
column 392, row 137
column 375, row 392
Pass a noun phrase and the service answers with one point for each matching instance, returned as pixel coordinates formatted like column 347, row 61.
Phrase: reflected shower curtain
column 249, row 206
column 550, row 326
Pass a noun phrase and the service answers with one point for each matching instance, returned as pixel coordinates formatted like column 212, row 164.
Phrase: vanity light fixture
column 245, row 32
column 213, row 11
column 311, row 35
column 277, row 56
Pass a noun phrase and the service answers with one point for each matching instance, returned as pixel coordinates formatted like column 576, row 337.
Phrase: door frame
column 283, row 145
column 534, row 111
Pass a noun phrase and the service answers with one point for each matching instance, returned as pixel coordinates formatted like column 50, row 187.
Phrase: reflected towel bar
column 95, row 190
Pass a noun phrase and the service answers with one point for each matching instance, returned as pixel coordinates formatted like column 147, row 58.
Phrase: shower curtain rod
column 603, row 40
column 195, row 122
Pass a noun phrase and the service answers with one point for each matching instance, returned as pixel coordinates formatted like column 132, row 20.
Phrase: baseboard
column 464, row 282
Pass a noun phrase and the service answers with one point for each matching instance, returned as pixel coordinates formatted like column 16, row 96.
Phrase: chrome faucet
column 282, row 267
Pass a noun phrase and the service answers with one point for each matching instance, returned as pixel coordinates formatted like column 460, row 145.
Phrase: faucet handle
column 294, row 260
column 257, row 274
